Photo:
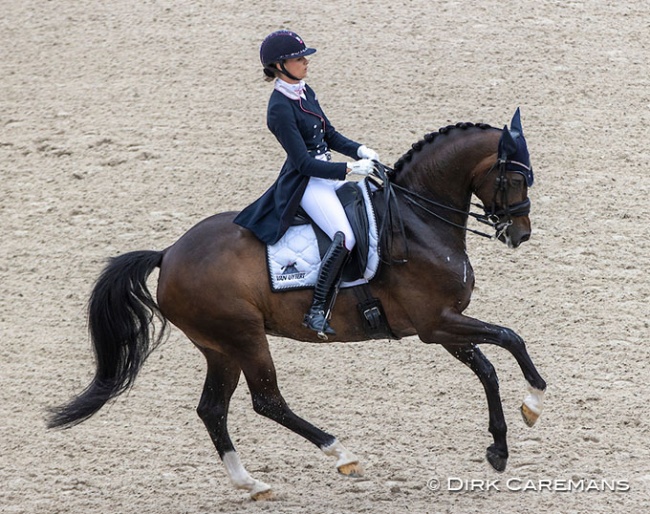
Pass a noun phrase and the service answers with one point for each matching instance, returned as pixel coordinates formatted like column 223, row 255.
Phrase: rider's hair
column 270, row 73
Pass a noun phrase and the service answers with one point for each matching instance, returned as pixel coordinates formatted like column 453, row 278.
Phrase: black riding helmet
column 280, row 46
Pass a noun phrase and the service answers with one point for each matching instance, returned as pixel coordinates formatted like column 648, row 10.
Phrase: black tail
column 120, row 315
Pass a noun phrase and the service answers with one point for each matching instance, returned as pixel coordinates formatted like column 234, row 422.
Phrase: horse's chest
column 461, row 272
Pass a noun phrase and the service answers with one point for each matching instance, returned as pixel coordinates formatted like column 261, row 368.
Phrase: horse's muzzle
column 518, row 232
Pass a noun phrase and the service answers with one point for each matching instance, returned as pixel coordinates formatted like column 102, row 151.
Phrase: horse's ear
column 507, row 143
column 515, row 124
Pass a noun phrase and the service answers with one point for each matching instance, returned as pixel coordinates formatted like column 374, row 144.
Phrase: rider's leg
column 323, row 206
column 329, row 276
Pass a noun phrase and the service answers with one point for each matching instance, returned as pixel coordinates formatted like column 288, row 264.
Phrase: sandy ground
column 124, row 123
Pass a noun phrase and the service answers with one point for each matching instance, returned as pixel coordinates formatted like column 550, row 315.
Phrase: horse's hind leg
column 497, row 453
column 220, row 383
column 268, row 401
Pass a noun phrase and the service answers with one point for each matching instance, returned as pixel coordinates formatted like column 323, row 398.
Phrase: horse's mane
column 430, row 137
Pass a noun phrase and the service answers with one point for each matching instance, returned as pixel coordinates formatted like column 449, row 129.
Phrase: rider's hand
column 367, row 153
column 361, row 167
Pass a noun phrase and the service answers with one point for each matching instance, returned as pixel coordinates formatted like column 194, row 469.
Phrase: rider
column 308, row 179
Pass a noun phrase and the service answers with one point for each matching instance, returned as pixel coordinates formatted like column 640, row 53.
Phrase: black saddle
column 351, row 197
column 371, row 312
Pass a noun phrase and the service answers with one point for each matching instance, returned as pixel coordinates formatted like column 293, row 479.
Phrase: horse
column 212, row 286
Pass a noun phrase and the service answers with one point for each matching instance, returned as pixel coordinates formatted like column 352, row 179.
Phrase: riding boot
column 329, row 276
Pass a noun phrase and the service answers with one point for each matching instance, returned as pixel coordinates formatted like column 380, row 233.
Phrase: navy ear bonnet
column 514, row 151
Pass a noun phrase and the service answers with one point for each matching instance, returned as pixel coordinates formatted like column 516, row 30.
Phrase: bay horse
column 213, row 286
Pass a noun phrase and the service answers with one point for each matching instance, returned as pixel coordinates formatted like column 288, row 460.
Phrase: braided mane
column 430, row 137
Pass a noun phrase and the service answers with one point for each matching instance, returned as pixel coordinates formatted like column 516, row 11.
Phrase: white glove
column 367, row 153
column 361, row 167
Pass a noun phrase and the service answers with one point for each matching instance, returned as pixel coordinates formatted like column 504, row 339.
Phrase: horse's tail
column 121, row 311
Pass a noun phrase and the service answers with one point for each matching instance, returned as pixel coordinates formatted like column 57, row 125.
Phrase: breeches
column 324, row 207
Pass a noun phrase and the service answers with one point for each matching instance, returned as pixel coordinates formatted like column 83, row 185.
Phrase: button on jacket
column 304, row 132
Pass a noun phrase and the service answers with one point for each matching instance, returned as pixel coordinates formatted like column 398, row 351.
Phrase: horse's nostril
column 517, row 239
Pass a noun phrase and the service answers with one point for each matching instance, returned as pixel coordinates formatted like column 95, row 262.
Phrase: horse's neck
column 443, row 171
column 436, row 186
column 440, row 177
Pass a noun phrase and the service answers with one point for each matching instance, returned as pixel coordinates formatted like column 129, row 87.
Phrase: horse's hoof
column 530, row 417
column 497, row 461
column 353, row 469
column 263, row 496
column 532, row 406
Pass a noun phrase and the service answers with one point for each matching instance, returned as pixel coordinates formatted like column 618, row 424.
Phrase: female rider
column 308, row 178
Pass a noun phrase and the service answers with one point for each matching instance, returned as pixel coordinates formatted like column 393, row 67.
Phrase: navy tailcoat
column 304, row 132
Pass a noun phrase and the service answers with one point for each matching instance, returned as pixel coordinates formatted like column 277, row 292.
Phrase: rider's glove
column 361, row 167
column 367, row 153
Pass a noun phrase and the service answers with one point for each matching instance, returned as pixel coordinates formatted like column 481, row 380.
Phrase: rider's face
column 297, row 67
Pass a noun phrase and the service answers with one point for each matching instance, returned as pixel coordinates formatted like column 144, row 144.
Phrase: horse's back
column 213, row 238
column 214, row 259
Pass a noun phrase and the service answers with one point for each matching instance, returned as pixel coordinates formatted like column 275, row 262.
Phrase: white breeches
column 323, row 206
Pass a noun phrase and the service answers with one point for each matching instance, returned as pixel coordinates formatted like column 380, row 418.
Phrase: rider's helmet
column 280, row 46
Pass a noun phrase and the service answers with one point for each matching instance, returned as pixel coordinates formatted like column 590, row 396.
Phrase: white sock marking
column 240, row 477
column 344, row 456
column 534, row 400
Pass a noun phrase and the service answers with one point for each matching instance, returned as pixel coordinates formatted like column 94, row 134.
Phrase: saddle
column 294, row 261
column 351, row 197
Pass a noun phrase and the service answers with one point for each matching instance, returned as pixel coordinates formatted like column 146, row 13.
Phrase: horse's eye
column 517, row 183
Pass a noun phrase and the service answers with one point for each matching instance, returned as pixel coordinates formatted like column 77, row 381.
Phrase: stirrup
column 317, row 322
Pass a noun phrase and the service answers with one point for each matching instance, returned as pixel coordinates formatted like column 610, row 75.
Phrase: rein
column 381, row 178
column 491, row 216
column 482, row 218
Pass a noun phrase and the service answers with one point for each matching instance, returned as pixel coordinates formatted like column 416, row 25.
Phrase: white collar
column 292, row 91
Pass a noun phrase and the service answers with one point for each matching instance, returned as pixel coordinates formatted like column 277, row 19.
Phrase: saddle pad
column 294, row 261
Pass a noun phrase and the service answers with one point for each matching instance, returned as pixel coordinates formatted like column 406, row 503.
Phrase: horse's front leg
column 456, row 329
column 497, row 453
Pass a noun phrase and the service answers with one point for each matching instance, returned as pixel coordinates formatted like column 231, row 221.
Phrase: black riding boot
column 329, row 276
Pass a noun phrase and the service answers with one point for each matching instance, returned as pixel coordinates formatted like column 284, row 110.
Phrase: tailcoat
column 307, row 136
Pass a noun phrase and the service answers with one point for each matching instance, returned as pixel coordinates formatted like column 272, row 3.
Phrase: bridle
column 500, row 218
column 499, row 215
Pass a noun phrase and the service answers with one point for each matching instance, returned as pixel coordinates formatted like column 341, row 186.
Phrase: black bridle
column 499, row 215
column 500, row 218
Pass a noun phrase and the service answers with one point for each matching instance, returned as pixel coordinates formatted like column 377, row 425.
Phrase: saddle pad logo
column 290, row 272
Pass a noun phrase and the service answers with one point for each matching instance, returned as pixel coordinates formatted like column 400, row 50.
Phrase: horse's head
column 505, row 198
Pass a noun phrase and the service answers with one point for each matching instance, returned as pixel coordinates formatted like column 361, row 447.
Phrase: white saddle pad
column 294, row 260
